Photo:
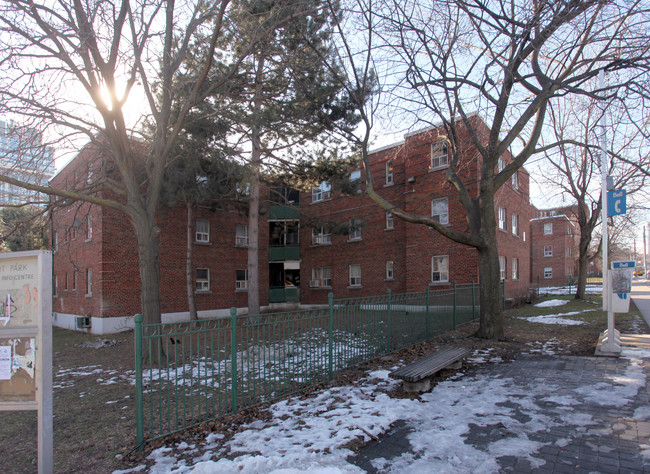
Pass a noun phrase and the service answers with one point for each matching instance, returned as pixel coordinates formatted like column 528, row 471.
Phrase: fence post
column 330, row 336
column 139, row 412
column 388, row 328
column 473, row 303
column 454, row 314
column 427, row 314
column 233, row 357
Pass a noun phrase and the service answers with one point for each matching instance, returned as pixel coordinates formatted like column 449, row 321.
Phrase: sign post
column 26, row 342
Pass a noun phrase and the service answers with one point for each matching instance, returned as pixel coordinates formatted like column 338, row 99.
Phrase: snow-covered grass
column 313, row 434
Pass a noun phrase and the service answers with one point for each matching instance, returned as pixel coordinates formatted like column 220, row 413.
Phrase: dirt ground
column 94, row 406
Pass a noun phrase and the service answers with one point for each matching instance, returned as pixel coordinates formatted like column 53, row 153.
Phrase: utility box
column 621, row 285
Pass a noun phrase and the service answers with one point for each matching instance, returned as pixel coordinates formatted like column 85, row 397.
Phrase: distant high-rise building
column 24, row 157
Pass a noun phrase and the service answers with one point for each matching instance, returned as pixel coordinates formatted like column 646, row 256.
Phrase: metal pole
column 139, row 412
column 233, row 357
column 330, row 331
column 388, row 326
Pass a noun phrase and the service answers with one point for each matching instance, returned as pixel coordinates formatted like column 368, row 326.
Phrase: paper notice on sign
column 5, row 362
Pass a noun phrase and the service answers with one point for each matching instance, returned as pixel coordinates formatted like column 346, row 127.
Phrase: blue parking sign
column 616, row 203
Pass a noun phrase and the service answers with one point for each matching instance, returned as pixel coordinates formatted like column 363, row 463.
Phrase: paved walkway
column 616, row 439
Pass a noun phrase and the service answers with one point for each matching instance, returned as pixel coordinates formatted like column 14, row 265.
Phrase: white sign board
column 621, row 285
column 26, row 341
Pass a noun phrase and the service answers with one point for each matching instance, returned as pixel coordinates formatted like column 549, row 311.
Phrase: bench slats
column 429, row 365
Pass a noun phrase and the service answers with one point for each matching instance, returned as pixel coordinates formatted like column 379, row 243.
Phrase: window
column 202, row 231
column 89, row 233
column 322, row 192
column 548, row 250
column 515, row 224
column 74, row 280
column 500, row 165
column 89, row 282
column 241, row 235
column 355, row 275
column 320, row 278
column 389, row 172
column 390, row 221
column 439, row 155
column 319, row 237
column 202, row 279
column 502, row 268
column 90, row 173
column 440, row 268
column 56, row 242
column 548, row 273
column 548, row 228
column 502, row 218
column 440, row 210
column 515, row 181
column 56, row 285
column 355, row 229
column 569, row 252
column 390, row 270
column 515, row 269
column 65, row 282
column 73, row 233
column 241, row 280
column 355, row 175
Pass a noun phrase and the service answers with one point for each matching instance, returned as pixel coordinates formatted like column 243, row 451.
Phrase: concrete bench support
column 416, row 377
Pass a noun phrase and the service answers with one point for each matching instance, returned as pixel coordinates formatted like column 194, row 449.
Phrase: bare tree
column 73, row 67
column 449, row 60
column 574, row 155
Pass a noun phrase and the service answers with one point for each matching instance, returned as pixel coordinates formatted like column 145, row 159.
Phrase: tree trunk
column 148, row 237
column 490, row 315
column 254, row 198
column 583, row 262
column 191, row 303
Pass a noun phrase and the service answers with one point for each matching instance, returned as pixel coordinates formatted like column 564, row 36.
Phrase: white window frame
column 515, row 181
column 439, row 155
column 65, row 282
column 503, row 275
column 56, row 285
column 89, row 224
column 74, row 280
column 503, row 215
column 322, row 192
column 202, row 235
column 548, row 250
column 355, row 176
column 201, row 284
column 241, row 235
column 500, row 165
column 548, row 273
column 241, row 285
column 515, row 268
column 390, row 172
column 354, row 229
column 440, row 269
column 56, row 241
column 390, row 270
column 319, row 237
column 390, row 220
column 437, row 215
column 321, row 277
column 89, row 281
column 515, row 224
column 548, row 228
column 355, row 275
column 73, row 233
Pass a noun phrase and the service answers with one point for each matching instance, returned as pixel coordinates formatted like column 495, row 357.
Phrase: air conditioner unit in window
column 314, row 283
column 83, row 322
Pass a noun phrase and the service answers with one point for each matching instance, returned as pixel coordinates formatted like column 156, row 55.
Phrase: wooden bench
column 416, row 377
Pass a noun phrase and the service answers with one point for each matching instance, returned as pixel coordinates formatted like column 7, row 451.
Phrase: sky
column 311, row 433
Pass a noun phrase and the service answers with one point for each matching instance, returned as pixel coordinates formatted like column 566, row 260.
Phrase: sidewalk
column 588, row 414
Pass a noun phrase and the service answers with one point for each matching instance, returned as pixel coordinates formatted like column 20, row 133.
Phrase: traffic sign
column 616, row 203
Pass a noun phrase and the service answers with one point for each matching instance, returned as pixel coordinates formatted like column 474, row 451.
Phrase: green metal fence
column 192, row 372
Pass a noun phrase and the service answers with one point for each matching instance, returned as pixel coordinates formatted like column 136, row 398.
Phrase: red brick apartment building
column 314, row 244
column 554, row 246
